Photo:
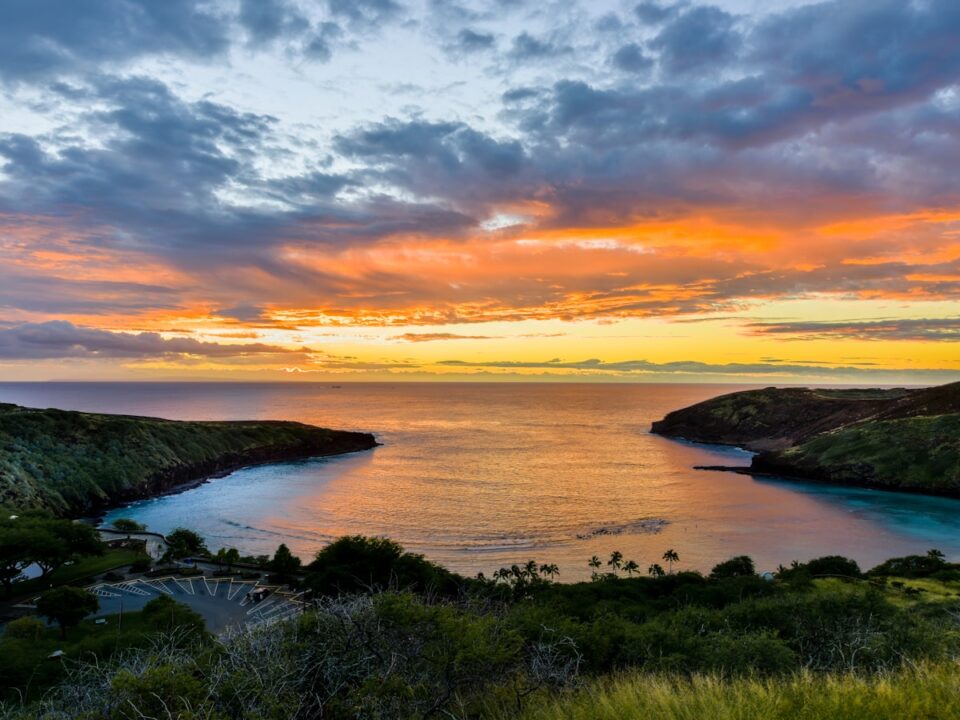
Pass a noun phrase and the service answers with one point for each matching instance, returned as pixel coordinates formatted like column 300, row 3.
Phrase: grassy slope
column 772, row 417
column 932, row 693
column 73, row 462
column 919, row 453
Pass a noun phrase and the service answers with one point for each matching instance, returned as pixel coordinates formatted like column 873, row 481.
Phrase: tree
column 551, row 570
column 165, row 613
column 47, row 541
column 671, row 557
column 182, row 543
column 594, row 564
column 615, row 561
column 128, row 526
column 284, row 563
column 739, row 566
column 936, row 555
column 228, row 557
column 15, row 549
column 655, row 570
column 67, row 606
column 630, row 567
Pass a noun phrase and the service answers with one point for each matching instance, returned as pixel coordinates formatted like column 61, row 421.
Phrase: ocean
column 480, row 475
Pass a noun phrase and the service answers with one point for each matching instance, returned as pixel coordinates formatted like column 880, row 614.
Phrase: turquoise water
column 482, row 475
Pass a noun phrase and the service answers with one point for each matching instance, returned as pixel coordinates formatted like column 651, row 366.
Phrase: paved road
column 156, row 543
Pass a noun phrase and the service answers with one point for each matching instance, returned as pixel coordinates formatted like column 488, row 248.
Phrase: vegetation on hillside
column 72, row 463
column 897, row 439
column 391, row 635
column 917, row 453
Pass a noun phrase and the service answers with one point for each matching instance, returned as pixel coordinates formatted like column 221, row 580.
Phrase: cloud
column 472, row 41
column 895, row 329
column 58, row 339
column 268, row 20
column 683, row 368
column 631, row 58
column 526, row 47
column 366, row 14
column 41, row 38
column 432, row 337
column 700, row 38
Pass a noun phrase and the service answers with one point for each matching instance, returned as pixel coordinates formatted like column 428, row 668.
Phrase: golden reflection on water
column 477, row 476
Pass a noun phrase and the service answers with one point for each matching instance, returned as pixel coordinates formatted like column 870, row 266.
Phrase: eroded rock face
column 895, row 439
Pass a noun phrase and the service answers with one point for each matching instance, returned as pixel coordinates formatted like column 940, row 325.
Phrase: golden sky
column 685, row 192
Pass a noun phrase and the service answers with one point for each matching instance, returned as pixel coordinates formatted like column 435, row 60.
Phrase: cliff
column 896, row 439
column 76, row 463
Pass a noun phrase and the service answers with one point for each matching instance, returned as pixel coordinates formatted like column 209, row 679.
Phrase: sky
column 340, row 190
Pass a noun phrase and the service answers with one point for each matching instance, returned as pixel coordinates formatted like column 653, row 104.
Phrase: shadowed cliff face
column 76, row 463
column 896, row 439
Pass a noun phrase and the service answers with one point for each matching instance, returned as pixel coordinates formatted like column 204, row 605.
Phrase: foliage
column 385, row 656
column 361, row 564
column 182, row 543
column 913, row 566
column 734, row 567
column 72, row 462
column 37, row 537
column 163, row 613
column 128, row 526
column 67, row 606
column 284, row 563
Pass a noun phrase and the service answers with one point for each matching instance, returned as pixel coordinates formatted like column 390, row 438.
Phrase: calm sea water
column 477, row 476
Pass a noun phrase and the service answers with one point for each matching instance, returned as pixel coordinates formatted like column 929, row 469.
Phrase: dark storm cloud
column 42, row 37
column 59, row 339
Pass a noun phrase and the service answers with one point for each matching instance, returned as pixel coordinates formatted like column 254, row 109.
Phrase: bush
column 361, row 564
column 734, row 567
column 141, row 565
column 165, row 614
column 25, row 628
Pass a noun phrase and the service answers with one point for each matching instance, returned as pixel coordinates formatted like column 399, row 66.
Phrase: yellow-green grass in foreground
column 927, row 693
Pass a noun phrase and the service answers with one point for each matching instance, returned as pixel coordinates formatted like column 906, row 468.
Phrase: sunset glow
column 742, row 192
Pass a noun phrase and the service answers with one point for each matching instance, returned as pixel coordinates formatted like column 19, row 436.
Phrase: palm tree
column 616, row 558
column 630, row 567
column 551, row 570
column 595, row 564
column 531, row 569
column 671, row 557
column 936, row 555
column 655, row 570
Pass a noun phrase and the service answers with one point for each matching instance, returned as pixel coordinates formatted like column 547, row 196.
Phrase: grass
column 71, row 462
column 79, row 570
column 912, row 453
column 930, row 693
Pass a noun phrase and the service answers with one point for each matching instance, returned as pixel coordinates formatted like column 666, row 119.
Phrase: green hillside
column 919, row 453
column 74, row 463
column 893, row 438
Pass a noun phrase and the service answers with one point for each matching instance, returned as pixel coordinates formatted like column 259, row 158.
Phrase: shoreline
column 784, row 477
column 97, row 517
